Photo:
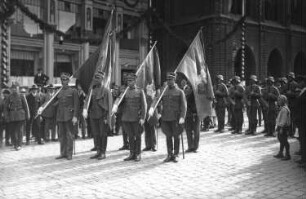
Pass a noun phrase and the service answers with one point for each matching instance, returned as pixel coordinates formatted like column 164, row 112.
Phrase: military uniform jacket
column 134, row 105
column 174, row 104
column 253, row 94
column 221, row 93
column 271, row 94
column 49, row 112
column 99, row 104
column 237, row 93
column 16, row 108
column 67, row 102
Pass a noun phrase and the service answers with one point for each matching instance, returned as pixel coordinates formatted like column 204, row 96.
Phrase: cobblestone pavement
column 226, row 166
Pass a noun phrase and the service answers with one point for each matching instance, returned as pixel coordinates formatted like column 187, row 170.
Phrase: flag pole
column 118, row 102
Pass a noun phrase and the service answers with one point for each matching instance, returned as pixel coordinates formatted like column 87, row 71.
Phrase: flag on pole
column 98, row 60
column 149, row 71
column 195, row 69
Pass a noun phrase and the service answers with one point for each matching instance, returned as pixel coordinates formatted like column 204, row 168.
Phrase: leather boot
column 131, row 157
column 279, row 155
column 176, row 146
column 168, row 158
column 137, row 158
column 96, row 155
column 101, row 156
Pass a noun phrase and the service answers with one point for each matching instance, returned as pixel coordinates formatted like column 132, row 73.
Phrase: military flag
column 195, row 69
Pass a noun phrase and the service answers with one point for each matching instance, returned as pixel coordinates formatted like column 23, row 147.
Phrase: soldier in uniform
column 291, row 93
column 174, row 107
column 134, row 108
column 221, row 93
column 16, row 112
column 5, row 124
column 98, row 114
column 252, row 94
column 192, row 124
column 67, row 102
column 270, row 95
column 49, row 116
column 237, row 93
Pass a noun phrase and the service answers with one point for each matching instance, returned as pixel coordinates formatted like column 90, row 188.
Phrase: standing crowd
column 280, row 104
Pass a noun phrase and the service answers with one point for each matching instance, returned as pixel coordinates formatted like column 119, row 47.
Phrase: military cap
column 131, row 77
column 171, row 75
column 236, row 78
column 271, row 79
column 34, row 87
column 291, row 74
column 283, row 79
column 65, row 76
column 254, row 78
column 6, row 91
column 220, row 77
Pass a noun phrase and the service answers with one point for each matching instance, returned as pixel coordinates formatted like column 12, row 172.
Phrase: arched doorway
column 275, row 64
column 300, row 64
column 250, row 64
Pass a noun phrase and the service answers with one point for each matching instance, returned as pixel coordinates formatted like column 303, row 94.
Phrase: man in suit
column 98, row 114
column 67, row 102
column 173, row 113
column 16, row 112
column 40, row 79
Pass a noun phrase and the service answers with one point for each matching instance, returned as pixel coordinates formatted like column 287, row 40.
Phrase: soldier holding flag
column 173, row 114
column 98, row 113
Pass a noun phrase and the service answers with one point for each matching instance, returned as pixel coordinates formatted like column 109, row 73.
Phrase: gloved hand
column 74, row 120
column 151, row 112
column 114, row 109
column 141, row 122
column 85, row 113
column 181, row 121
column 40, row 110
column 158, row 116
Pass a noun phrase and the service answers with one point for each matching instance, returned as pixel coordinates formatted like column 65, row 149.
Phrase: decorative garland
column 132, row 5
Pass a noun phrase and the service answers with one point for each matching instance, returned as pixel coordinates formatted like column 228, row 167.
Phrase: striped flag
column 195, row 69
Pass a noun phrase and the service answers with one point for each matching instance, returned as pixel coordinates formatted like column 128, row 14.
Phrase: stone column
column 48, row 66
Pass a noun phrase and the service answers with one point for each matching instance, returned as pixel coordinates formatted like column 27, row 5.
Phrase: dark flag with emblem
column 194, row 67
column 99, row 60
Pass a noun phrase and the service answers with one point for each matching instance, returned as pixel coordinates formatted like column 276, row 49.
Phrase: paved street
column 226, row 166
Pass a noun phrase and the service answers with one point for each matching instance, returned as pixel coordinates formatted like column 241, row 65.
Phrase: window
column 20, row 67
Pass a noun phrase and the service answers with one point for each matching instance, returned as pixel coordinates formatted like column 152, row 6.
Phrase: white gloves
column 141, row 122
column 181, row 121
column 115, row 109
column 85, row 113
column 74, row 120
column 151, row 112
column 40, row 110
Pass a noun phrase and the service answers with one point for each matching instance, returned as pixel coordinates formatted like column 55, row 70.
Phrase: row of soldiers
column 258, row 99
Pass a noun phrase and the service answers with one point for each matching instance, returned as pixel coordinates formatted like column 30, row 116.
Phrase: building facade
column 275, row 35
column 31, row 46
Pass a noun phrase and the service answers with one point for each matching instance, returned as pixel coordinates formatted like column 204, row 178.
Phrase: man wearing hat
column 173, row 113
column 40, row 79
column 67, row 103
column 221, row 93
column 98, row 114
column 49, row 116
column 34, row 124
column 134, row 108
column 270, row 95
column 291, row 94
column 252, row 94
column 237, row 93
column 16, row 112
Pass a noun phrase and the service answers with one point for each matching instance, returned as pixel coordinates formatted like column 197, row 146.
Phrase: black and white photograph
column 153, row 99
